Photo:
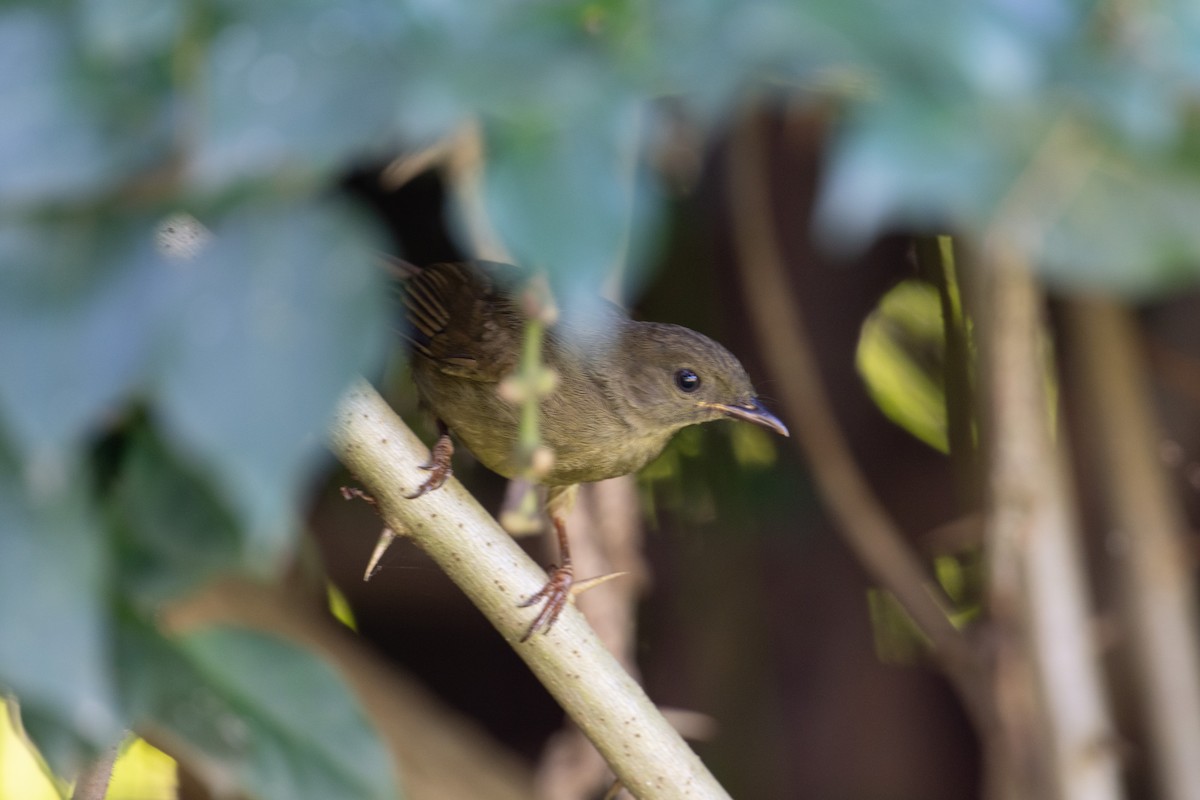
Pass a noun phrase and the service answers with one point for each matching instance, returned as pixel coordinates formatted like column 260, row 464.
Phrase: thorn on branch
column 386, row 537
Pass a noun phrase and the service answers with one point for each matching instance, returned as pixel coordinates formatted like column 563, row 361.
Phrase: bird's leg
column 439, row 463
column 557, row 590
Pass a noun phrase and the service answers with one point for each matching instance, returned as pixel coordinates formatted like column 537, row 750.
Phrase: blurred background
column 956, row 249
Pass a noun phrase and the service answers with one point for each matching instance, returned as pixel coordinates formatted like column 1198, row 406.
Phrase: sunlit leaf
column 901, row 353
column 339, row 606
column 22, row 774
column 143, row 772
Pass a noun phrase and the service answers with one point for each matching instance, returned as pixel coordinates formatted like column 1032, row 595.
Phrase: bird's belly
column 598, row 461
column 477, row 416
column 587, row 447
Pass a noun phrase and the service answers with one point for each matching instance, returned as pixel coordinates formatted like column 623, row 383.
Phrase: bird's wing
column 465, row 318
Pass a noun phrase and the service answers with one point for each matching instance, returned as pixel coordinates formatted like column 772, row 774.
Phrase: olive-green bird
column 623, row 389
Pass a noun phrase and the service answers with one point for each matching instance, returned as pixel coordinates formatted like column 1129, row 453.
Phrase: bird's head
column 675, row 377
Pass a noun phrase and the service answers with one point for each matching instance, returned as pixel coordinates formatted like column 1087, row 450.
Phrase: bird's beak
column 753, row 412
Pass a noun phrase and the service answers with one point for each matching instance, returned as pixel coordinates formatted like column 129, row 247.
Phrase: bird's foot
column 555, row 595
column 351, row 493
column 439, row 467
column 561, row 589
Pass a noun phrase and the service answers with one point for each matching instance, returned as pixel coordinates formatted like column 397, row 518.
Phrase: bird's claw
column 556, row 593
column 561, row 589
column 438, row 467
column 437, row 477
column 352, row 493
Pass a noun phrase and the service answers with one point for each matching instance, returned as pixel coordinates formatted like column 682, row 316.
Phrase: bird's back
column 464, row 317
column 467, row 332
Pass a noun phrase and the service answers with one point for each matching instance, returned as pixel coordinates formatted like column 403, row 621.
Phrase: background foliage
column 159, row 418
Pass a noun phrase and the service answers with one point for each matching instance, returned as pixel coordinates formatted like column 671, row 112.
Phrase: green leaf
column 282, row 310
column 53, row 599
column 71, row 128
column 255, row 712
column 51, row 147
column 62, row 751
column 562, row 196
column 307, row 86
column 1129, row 229
column 901, row 354
column 174, row 533
column 121, row 30
column 80, row 308
column 921, row 161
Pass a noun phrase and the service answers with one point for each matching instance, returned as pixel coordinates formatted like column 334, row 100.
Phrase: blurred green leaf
column 61, row 750
column 561, row 195
column 24, row 773
column 901, row 355
column 305, row 86
column 143, row 772
column 80, row 307
column 173, row 532
column 255, row 712
column 53, row 594
column 752, row 446
column 1129, row 228
column 127, row 30
column 920, row 161
column 70, row 127
column 282, row 310
column 339, row 606
column 898, row 640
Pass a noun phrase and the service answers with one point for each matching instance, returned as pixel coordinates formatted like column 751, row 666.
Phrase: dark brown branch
column 781, row 333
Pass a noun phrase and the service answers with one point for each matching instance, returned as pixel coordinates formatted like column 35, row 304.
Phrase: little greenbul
column 623, row 389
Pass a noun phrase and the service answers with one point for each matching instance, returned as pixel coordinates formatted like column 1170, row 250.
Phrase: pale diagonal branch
column 643, row 749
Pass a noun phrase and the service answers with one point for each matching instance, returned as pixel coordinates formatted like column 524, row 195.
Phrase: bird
column 623, row 388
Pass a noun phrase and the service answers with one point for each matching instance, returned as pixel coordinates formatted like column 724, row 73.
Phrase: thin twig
column 92, row 783
column 938, row 262
column 862, row 519
column 643, row 749
column 1157, row 576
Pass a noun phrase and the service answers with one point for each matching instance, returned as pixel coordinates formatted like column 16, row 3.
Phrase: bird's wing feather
column 465, row 318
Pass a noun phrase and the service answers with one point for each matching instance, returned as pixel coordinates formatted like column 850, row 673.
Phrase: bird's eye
column 687, row 381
